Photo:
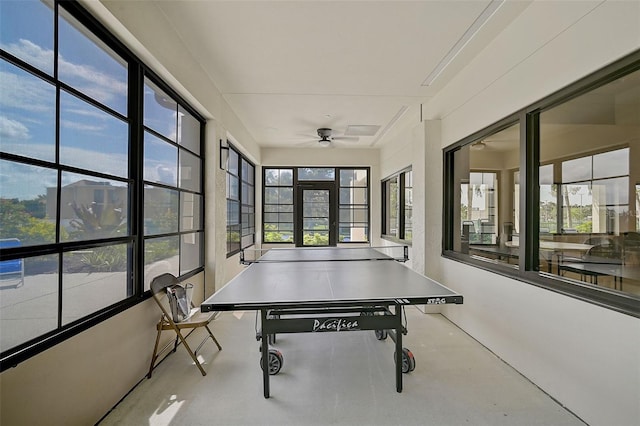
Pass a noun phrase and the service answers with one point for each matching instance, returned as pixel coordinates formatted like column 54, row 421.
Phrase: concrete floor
column 339, row 379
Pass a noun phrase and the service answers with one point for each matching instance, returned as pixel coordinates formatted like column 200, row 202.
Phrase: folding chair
column 196, row 319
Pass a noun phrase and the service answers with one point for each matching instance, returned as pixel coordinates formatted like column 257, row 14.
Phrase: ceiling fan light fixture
column 325, row 143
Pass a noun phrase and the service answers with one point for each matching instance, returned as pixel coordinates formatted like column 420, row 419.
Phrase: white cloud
column 93, row 82
column 31, row 53
column 26, row 93
column 13, row 130
column 67, row 124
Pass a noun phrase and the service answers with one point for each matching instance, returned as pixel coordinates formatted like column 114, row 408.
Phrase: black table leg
column 265, row 353
column 398, row 314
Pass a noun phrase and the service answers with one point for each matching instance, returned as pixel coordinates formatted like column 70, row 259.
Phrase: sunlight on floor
column 164, row 417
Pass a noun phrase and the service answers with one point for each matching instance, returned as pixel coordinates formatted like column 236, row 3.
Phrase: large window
column 277, row 206
column 485, row 197
column 397, row 206
column 567, row 213
column 241, row 221
column 173, row 219
column 100, row 176
column 300, row 205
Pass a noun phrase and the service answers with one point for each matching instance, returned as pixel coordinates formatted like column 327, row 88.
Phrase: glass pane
column 599, row 233
column 316, row 173
column 233, row 162
column 28, row 203
column 27, row 113
column 315, row 217
column 285, row 217
column 408, row 206
column 94, row 279
column 315, row 238
column 285, row 196
column 245, row 191
column 576, row 170
column 190, row 211
column 190, row 171
column 190, row 252
column 483, row 218
column 92, row 208
column 353, row 177
column 160, row 210
column 188, row 131
column 611, row 192
column 88, row 65
column 248, row 240
column 576, row 208
column 320, row 209
column 26, row 31
column 233, row 189
column 92, row 139
column 271, row 195
column 160, row 111
column 393, row 210
column 160, row 256
column 353, row 234
column 160, row 161
column 278, row 236
column 316, row 224
column 29, row 285
column 251, row 173
column 233, row 213
column 271, row 177
column 347, row 177
column 353, row 196
column 548, row 201
column 318, row 196
column 612, row 163
column 286, row 177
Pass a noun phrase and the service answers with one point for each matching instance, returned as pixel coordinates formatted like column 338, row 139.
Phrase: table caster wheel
column 275, row 362
column 381, row 334
column 408, row 361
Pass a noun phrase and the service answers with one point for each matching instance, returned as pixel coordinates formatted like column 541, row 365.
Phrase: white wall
column 585, row 356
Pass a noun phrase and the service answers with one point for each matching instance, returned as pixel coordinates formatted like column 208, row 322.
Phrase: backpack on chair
column 179, row 302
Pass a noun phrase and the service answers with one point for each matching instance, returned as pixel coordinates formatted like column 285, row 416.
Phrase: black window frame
column 135, row 237
column 527, row 269
column 336, row 190
column 239, row 226
column 385, row 231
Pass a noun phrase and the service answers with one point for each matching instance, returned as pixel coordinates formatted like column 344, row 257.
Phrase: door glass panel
column 315, row 208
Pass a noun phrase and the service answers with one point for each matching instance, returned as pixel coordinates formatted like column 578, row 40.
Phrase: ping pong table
column 314, row 290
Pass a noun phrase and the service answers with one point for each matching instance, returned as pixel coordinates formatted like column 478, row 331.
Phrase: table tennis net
column 323, row 254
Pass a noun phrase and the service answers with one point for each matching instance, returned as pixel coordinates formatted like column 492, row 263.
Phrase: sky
column 89, row 137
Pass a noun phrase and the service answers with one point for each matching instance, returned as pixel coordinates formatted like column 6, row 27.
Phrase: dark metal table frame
column 354, row 316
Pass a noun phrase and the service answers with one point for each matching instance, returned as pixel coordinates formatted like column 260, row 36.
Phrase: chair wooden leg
column 154, row 356
column 213, row 338
column 193, row 356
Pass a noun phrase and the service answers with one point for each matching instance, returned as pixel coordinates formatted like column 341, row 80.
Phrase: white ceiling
column 286, row 68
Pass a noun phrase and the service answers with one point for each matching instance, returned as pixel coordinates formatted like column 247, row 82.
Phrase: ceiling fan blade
column 346, row 138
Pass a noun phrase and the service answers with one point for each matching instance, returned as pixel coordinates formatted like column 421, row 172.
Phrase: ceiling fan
column 327, row 138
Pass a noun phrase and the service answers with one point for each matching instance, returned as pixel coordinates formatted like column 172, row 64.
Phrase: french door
column 316, row 215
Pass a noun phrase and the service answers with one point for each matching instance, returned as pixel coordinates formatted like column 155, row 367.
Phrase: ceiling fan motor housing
column 324, row 133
